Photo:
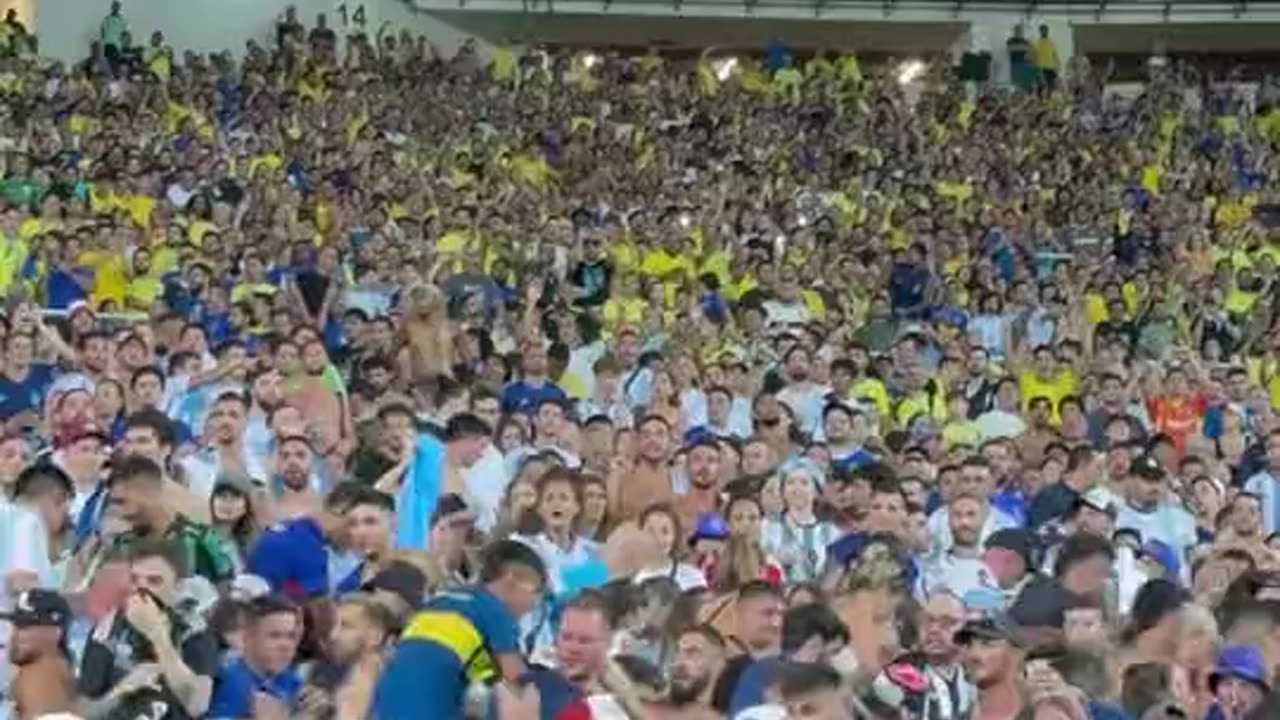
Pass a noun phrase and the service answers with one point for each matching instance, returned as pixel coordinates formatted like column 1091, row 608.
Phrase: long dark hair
column 245, row 528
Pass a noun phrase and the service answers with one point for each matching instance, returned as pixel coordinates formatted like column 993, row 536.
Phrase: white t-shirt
column 1169, row 524
column 23, row 545
column 486, row 484
column 999, row 424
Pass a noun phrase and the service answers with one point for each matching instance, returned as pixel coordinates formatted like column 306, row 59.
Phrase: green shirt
column 204, row 552
column 21, row 192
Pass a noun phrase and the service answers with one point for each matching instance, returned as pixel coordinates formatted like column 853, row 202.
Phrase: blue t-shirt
column 524, row 397
column 854, row 460
column 453, row 641
column 754, row 680
column 15, row 397
column 291, row 556
column 63, row 287
column 236, row 683
column 350, row 582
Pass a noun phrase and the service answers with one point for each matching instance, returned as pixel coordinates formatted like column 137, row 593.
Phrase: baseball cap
column 39, row 608
column 291, row 557
column 1146, row 466
column 402, row 579
column 1164, row 555
column 710, row 526
column 1097, row 499
column 237, row 482
column 1018, row 540
column 996, row 626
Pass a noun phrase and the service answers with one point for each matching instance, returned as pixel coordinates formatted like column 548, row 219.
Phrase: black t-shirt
column 313, row 286
column 106, row 662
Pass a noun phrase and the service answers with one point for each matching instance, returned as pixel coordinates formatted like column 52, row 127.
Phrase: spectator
column 262, row 681
column 136, row 495
column 147, row 652
column 44, row 682
column 430, row 656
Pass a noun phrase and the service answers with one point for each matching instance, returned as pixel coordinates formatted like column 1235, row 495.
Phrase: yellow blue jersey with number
column 453, row 641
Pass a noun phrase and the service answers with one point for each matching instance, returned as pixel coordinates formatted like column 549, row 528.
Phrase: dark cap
column 402, row 579
column 992, row 627
column 39, row 608
column 1018, row 540
column 1146, row 466
column 1042, row 603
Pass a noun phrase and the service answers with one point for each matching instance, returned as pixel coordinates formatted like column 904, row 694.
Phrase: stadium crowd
column 345, row 380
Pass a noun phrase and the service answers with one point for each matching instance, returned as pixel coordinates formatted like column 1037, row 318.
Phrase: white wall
column 446, row 37
column 66, row 27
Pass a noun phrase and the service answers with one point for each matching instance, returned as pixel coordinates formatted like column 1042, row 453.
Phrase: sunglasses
column 768, row 422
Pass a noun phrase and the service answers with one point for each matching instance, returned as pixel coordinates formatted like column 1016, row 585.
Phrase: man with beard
column 44, row 682
column 225, row 452
column 702, row 471
column 993, row 659
column 362, row 631
column 634, row 486
column 293, row 462
column 978, row 387
column 804, row 396
column 960, row 567
column 136, row 492
column 699, row 657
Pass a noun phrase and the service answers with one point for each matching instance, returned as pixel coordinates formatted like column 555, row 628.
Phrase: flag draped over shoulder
column 418, row 494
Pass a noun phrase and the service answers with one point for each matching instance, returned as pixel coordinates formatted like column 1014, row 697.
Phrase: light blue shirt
column 1168, row 523
column 1265, row 486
